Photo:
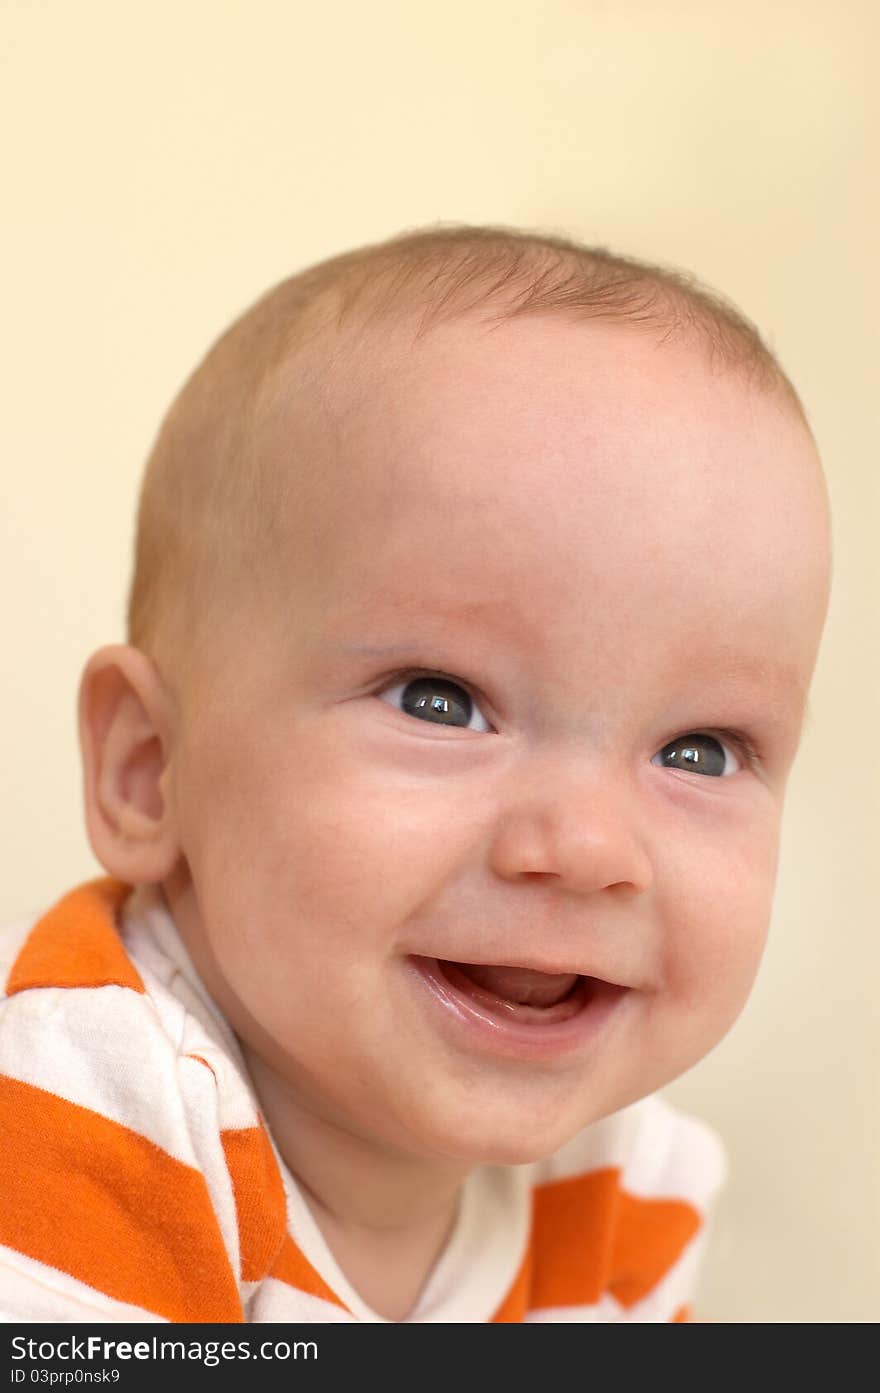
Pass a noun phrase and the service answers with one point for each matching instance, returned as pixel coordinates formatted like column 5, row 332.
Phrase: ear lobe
column 125, row 736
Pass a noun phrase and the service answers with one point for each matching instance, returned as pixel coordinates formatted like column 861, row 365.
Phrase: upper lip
column 531, row 965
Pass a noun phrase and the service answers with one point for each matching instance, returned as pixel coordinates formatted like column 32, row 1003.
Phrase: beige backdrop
column 165, row 162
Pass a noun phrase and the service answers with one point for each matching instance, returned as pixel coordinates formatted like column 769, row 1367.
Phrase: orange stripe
column 573, row 1235
column 102, row 1203
column 590, row 1237
column 683, row 1313
column 513, row 1307
column 76, row 944
column 259, row 1199
column 294, row 1268
column 651, row 1236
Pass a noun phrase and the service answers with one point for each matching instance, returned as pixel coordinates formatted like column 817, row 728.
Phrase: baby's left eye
column 699, row 754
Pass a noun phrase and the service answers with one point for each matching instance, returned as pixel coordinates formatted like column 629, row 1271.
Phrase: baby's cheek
column 373, row 850
column 714, row 935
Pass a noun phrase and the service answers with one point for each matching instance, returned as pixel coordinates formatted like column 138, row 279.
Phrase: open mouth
column 518, row 994
column 518, row 1013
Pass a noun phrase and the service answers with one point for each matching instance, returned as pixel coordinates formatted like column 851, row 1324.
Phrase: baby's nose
column 573, row 819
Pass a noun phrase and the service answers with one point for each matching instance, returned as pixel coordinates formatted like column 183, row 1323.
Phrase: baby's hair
column 209, row 500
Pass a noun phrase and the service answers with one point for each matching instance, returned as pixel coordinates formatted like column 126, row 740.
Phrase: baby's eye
column 700, row 754
column 437, row 700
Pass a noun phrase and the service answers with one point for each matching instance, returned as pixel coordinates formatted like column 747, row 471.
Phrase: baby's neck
column 385, row 1215
column 388, row 1268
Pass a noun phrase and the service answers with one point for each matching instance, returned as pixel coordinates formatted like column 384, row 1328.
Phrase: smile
column 518, row 1011
column 518, row 993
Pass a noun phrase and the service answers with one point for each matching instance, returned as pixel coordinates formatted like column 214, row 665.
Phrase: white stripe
column 276, row 1301
column 661, row 1153
column 236, row 1106
column 182, row 1002
column 102, row 1049
column 674, row 1155
column 34, row 1291
column 474, row 1274
column 200, row 1102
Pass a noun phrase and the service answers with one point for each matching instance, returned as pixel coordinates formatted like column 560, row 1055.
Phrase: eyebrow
column 377, row 650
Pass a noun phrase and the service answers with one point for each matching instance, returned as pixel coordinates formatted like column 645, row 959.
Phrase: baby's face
column 527, row 695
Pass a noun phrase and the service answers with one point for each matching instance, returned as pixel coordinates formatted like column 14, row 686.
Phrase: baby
column 479, row 584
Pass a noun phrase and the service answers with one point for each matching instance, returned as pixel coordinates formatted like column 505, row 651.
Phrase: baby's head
column 480, row 582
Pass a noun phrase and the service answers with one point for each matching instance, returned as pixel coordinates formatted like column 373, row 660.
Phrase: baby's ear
column 124, row 735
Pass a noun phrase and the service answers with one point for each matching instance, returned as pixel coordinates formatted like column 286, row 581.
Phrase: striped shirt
column 138, row 1181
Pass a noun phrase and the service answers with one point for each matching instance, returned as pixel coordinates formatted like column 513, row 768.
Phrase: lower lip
column 512, row 1033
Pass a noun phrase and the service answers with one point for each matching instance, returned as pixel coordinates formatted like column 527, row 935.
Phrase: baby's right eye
column 437, row 700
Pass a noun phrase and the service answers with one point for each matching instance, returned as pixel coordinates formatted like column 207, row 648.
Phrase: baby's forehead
column 382, row 408
column 539, row 360
column 562, row 491
column 484, row 451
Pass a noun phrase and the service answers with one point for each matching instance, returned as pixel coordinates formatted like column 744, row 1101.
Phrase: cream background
column 165, row 163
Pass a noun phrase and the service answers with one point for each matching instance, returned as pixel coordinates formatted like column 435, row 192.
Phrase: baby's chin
column 506, row 1137
column 518, row 1126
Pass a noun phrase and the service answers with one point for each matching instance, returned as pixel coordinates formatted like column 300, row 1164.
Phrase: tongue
column 521, row 983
